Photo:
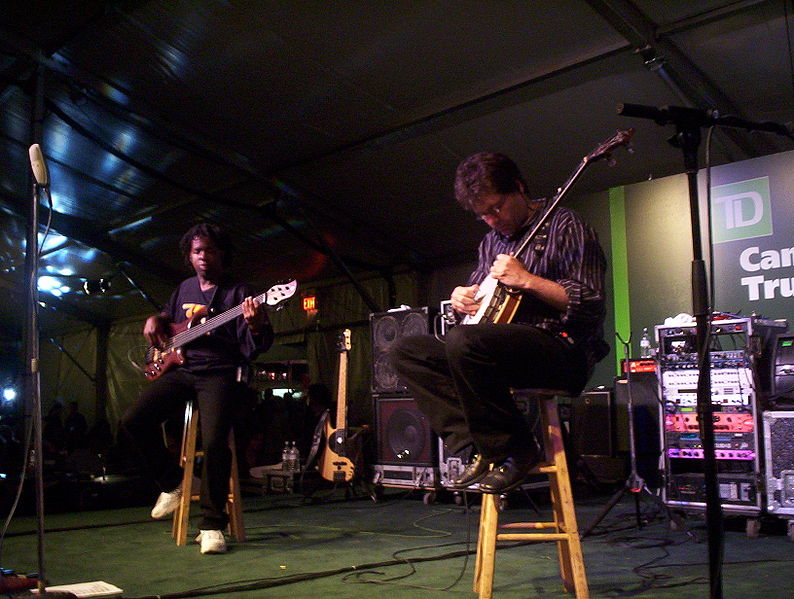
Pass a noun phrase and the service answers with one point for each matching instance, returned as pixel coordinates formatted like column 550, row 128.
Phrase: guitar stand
column 634, row 484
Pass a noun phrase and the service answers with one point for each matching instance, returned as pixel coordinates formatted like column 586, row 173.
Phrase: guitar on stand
column 336, row 464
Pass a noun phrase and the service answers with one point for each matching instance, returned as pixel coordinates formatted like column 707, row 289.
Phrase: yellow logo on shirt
column 193, row 309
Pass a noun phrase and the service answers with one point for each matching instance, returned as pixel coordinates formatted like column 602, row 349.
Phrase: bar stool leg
column 234, row 503
column 188, row 454
column 569, row 550
column 187, row 461
column 486, row 547
column 565, row 532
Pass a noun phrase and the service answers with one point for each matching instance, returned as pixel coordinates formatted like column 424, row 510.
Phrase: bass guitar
column 498, row 302
column 160, row 360
column 335, row 463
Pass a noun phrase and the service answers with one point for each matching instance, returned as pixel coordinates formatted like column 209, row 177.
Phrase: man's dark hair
column 483, row 173
column 218, row 236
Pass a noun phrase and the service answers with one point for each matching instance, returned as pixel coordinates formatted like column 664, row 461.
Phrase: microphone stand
column 688, row 122
column 32, row 351
column 634, row 482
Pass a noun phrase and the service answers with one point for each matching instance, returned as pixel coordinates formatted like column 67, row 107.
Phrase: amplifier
column 738, row 492
column 740, row 345
column 741, row 377
column 406, row 445
column 414, row 477
column 404, row 436
column 731, row 422
column 779, row 446
column 385, row 329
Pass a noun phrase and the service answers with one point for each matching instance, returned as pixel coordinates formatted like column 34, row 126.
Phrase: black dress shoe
column 471, row 474
column 508, row 475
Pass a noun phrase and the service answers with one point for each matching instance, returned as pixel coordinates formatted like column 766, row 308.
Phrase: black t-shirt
column 226, row 346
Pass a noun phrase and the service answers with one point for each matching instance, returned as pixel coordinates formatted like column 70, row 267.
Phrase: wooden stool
column 566, row 534
column 187, row 458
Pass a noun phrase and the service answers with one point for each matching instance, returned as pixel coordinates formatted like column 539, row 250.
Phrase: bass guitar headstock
column 279, row 293
column 343, row 342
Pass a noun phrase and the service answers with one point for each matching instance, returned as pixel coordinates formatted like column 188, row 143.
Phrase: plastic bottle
column 294, row 458
column 646, row 351
column 285, row 456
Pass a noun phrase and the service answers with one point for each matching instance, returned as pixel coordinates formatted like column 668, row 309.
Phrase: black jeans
column 215, row 395
column 462, row 382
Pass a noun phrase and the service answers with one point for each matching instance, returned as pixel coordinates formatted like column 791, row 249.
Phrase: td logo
column 741, row 210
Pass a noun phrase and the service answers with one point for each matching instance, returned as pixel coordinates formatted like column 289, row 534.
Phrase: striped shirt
column 572, row 257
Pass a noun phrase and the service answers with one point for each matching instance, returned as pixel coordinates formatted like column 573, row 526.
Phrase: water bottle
column 285, row 456
column 294, row 458
column 646, row 351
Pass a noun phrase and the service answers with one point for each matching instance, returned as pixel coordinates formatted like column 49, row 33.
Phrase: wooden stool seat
column 187, row 459
column 563, row 528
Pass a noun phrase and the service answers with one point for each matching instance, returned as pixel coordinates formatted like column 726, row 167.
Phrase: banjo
column 498, row 302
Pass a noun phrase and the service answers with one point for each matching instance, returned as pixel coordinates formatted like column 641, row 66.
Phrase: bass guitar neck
column 160, row 360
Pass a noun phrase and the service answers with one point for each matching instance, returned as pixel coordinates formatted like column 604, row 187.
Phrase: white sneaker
column 167, row 503
column 212, row 541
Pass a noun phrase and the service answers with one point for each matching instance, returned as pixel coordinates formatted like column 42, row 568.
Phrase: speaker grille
column 386, row 328
column 404, row 434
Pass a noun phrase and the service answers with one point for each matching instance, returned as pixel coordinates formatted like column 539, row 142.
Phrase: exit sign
column 309, row 303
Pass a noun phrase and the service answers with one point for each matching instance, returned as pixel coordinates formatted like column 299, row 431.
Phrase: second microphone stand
column 634, row 484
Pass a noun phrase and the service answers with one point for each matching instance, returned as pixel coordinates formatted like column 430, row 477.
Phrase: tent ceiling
column 314, row 129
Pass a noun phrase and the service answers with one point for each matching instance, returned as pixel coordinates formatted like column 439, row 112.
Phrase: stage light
column 92, row 286
column 9, row 394
column 48, row 283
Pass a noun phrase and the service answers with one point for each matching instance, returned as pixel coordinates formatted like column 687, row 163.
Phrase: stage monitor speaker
column 403, row 433
column 386, row 328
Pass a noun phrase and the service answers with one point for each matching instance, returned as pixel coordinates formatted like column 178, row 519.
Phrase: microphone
column 681, row 115
column 38, row 165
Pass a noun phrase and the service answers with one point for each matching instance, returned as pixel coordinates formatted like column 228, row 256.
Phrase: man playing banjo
column 553, row 338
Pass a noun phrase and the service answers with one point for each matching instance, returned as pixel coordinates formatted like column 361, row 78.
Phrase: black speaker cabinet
column 644, row 388
column 591, row 430
column 386, row 328
column 403, row 433
column 645, row 399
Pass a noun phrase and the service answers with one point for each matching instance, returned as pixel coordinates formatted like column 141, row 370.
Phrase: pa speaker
column 403, row 432
column 386, row 328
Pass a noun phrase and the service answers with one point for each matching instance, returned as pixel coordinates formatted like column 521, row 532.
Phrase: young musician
column 462, row 382
column 208, row 376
